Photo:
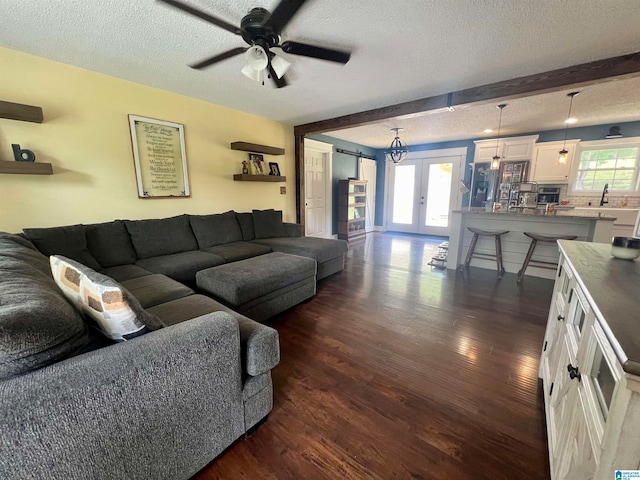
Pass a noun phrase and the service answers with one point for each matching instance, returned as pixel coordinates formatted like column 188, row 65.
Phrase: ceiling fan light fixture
column 255, row 75
column 563, row 155
column 397, row 151
column 280, row 65
column 257, row 58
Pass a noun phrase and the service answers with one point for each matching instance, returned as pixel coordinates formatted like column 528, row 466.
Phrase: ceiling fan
column 261, row 30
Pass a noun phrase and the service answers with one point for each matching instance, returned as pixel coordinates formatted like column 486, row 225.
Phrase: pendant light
column 397, row 151
column 495, row 162
column 563, row 154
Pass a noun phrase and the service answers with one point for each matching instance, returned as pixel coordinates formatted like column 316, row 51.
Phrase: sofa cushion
column 121, row 273
column 154, row 289
column 69, row 241
column 117, row 313
column 240, row 282
column 181, row 266
column 38, row 326
column 260, row 343
column 215, row 229
column 110, row 243
column 185, row 308
column 268, row 224
column 232, row 252
column 320, row 249
column 156, row 237
column 245, row 220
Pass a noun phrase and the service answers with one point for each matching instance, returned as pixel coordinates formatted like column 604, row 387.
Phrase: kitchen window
column 611, row 163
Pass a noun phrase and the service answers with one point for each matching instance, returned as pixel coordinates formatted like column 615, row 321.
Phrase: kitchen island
column 590, row 364
column 586, row 226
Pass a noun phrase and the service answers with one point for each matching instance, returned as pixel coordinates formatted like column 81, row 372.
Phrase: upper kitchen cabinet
column 545, row 167
column 509, row 149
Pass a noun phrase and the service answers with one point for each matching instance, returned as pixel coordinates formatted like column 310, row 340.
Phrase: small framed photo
column 257, row 162
column 274, row 169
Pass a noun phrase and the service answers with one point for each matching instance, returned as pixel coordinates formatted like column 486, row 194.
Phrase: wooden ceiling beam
column 575, row 76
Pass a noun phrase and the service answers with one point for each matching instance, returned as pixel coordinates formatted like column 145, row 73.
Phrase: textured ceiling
column 400, row 51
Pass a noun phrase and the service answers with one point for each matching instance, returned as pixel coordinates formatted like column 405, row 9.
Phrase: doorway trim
column 324, row 148
column 460, row 152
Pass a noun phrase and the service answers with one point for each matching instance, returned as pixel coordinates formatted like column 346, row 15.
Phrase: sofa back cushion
column 245, row 220
column 70, row 241
column 38, row 326
column 268, row 224
column 218, row 229
column 110, row 244
column 116, row 313
column 164, row 236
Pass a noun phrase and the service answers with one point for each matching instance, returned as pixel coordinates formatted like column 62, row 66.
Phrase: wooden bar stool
column 535, row 238
column 472, row 247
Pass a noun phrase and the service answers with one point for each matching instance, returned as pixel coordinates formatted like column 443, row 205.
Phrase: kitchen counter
column 539, row 213
column 611, row 286
column 586, row 226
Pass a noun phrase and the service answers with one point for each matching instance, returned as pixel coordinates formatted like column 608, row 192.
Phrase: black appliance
column 548, row 195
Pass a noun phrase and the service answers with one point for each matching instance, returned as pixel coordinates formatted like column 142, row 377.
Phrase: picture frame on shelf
column 257, row 162
column 159, row 157
column 274, row 169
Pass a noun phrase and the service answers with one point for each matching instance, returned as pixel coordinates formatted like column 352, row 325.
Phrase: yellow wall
column 85, row 135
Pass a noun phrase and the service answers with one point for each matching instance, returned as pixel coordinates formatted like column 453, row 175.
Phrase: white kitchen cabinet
column 590, row 365
column 545, row 167
column 509, row 149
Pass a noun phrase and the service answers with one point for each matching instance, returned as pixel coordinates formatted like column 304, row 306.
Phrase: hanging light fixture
column 258, row 58
column 495, row 162
column 563, row 154
column 397, row 151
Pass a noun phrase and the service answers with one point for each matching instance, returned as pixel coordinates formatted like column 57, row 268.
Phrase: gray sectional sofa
column 74, row 405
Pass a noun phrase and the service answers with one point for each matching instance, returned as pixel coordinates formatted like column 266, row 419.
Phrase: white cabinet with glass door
column 423, row 191
column 592, row 405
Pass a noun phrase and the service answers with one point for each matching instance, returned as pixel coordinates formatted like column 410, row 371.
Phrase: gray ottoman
column 263, row 286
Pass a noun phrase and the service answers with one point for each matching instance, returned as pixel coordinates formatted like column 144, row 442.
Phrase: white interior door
column 422, row 193
column 367, row 171
column 317, row 188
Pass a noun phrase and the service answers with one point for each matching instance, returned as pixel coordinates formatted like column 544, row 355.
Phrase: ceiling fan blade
column 204, row 16
column 322, row 53
column 283, row 13
column 279, row 82
column 218, row 58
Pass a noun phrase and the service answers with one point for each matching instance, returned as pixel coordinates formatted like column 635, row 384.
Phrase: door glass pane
column 438, row 194
column 403, row 199
column 603, row 381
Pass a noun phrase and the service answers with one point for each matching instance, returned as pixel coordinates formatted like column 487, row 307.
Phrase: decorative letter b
column 22, row 155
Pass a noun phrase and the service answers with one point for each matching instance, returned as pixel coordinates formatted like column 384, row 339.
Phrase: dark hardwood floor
column 394, row 370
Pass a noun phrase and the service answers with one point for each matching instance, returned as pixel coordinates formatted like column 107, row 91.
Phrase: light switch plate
column 283, row 190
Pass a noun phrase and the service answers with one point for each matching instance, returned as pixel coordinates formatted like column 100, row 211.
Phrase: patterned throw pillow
column 116, row 313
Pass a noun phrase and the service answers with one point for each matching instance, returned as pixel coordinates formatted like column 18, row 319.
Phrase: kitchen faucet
column 605, row 190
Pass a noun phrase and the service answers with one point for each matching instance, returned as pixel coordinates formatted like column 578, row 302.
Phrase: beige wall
column 85, row 135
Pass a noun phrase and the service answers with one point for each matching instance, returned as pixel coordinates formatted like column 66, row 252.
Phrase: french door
column 421, row 195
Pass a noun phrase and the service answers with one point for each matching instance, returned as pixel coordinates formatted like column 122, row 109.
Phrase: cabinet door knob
column 574, row 372
column 560, row 318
